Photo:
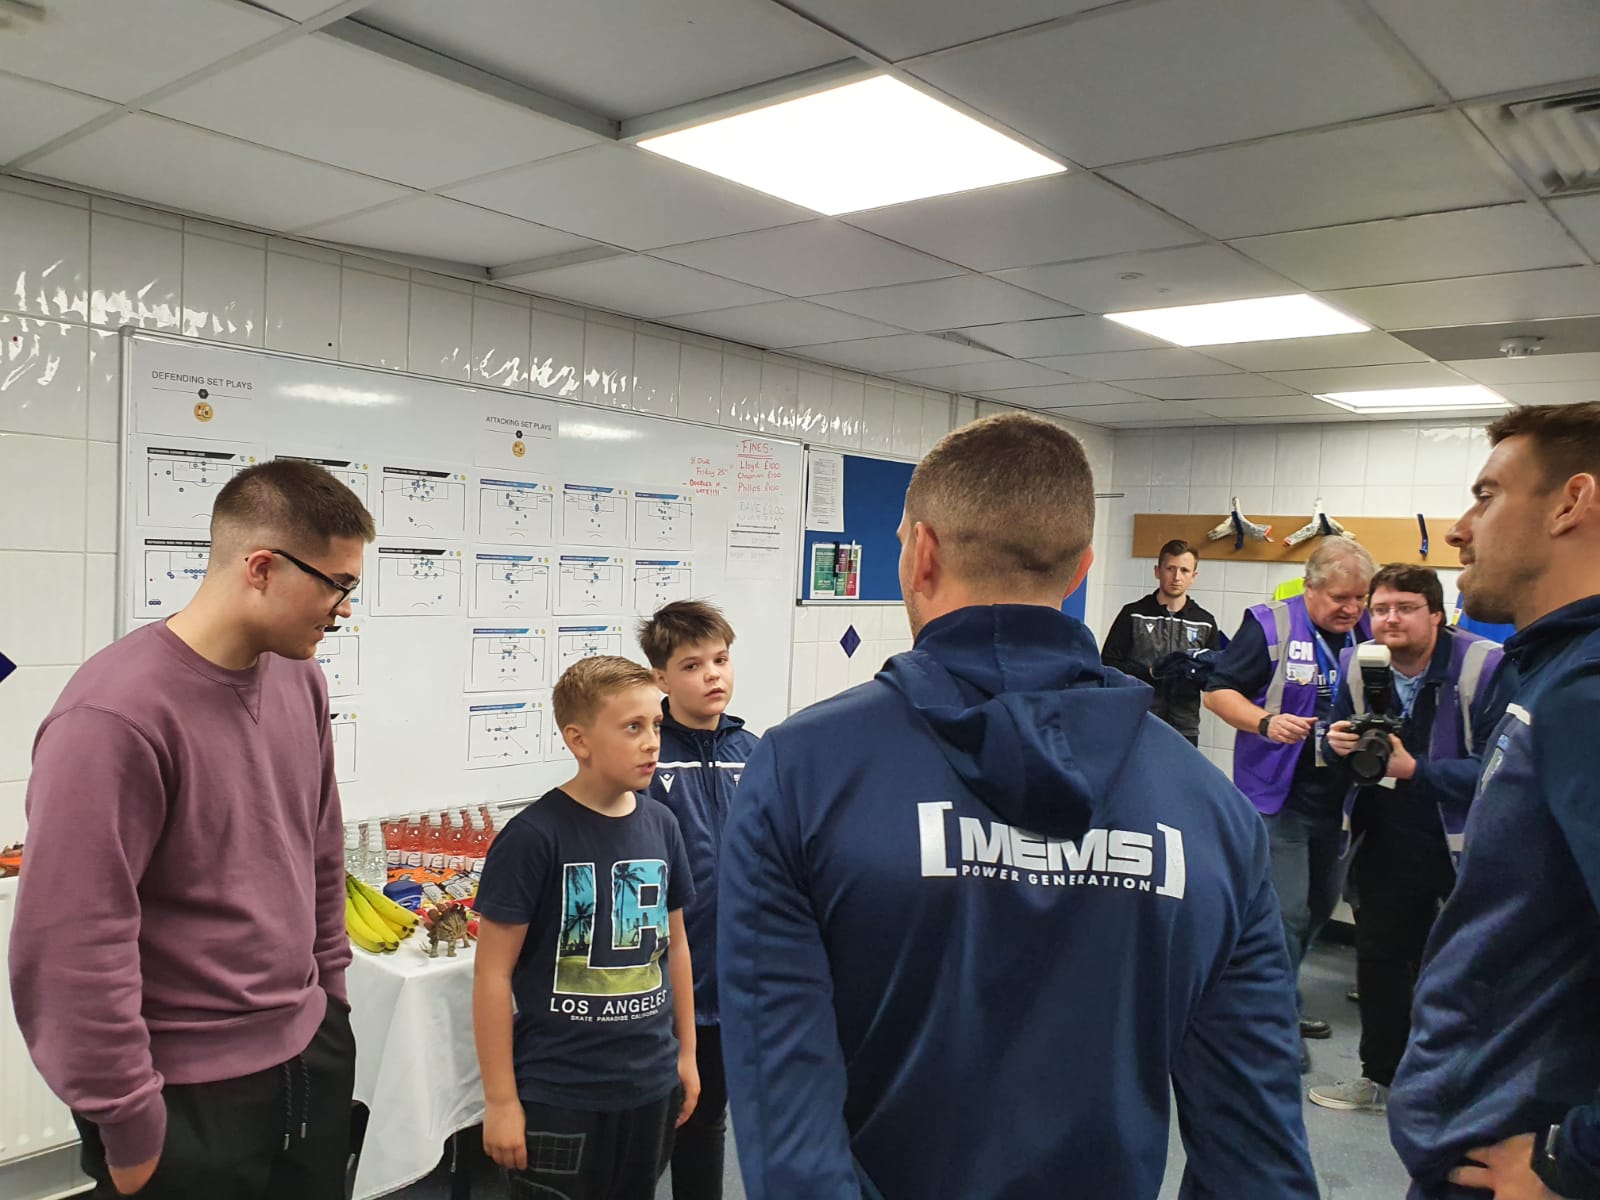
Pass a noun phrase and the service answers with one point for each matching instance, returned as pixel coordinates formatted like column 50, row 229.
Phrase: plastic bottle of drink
column 433, row 841
column 482, row 835
column 412, row 842
column 455, row 845
column 393, row 832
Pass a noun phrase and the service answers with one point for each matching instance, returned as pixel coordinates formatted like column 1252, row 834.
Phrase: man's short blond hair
column 587, row 684
column 1011, row 500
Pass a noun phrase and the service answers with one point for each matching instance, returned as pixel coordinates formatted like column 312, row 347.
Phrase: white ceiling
column 1217, row 149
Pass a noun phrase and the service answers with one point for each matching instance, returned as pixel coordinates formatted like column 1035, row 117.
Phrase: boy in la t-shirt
column 584, row 1021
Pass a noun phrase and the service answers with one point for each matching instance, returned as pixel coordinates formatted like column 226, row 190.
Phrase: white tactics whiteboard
column 516, row 534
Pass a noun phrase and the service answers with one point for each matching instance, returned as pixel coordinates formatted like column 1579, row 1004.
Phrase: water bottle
column 374, row 858
column 352, row 851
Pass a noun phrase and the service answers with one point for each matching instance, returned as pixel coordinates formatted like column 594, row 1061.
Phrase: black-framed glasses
column 343, row 589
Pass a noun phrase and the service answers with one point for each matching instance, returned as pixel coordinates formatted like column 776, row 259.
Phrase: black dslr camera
column 1370, row 759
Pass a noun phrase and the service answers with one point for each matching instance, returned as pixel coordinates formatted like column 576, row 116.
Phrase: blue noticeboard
column 874, row 499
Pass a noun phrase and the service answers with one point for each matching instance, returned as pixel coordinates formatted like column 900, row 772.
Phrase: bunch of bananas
column 373, row 921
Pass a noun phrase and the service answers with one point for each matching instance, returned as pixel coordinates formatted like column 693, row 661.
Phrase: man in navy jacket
column 979, row 915
column 1497, row 1089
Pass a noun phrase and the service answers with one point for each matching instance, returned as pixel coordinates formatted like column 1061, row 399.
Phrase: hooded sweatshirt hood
column 1023, row 710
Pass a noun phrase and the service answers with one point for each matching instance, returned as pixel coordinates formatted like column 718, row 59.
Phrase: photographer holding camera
column 1416, row 706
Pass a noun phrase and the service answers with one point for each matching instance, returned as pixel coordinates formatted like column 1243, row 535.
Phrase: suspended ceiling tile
column 51, row 111
column 298, row 10
column 1581, row 214
column 1567, row 335
column 1151, row 279
column 972, row 377
column 1064, row 395
column 637, row 285
column 123, row 50
column 1268, row 406
column 142, row 157
column 1139, row 412
column 1478, row 241
column 810, row 258
column 1569, row 392
column 1536, row 368
column 627, row 197
column 1477, row 47
column 945, row 303
column 1516, row 296
column 901, row 352
column 1168, row 363
column 900, row 29
column 1384, row 169
column 782, row 323
column 328, row 100
column 1340, row 350
column 433, row 227
column 618, row 58
column 1060, row 335
column 1141, row 80
column 1203, row 387
column 1048, row 220
column 1366, row 379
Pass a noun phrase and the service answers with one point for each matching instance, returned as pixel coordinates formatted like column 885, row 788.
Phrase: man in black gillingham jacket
column 1166, row 620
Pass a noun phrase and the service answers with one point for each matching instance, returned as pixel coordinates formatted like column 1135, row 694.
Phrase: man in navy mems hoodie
column 979, row 915
column 1497, row 1092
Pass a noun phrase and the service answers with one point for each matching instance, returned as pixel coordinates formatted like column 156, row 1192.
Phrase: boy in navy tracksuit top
column 703, row 752
column 1499, row 1089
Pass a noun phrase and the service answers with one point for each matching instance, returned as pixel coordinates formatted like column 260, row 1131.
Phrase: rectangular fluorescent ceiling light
column 1411, row 400
column 1265, row 320
column 859, row 146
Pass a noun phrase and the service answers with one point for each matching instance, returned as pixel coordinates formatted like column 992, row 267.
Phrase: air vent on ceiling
column 1554, row 141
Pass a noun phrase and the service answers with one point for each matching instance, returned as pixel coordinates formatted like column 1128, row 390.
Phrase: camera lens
column 1370, row 759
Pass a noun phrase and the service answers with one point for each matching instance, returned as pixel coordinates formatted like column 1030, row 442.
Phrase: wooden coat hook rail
column 1387, row 539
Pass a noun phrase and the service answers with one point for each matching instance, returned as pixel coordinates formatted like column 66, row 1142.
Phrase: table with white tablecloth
column 416, row 1067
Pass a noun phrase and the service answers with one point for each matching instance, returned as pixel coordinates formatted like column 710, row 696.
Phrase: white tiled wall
column 1387, row 469
column 74, row 268
column 821, row 666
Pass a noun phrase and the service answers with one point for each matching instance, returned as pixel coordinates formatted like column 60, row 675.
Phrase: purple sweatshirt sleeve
column 96, row 806
column 332, row 949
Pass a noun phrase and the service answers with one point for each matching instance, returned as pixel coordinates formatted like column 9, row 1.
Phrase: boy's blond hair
column 587, row 684
column 681, row 623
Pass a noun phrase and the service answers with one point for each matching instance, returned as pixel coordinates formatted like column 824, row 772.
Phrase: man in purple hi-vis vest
column 1447, row 687
column 1275, row 684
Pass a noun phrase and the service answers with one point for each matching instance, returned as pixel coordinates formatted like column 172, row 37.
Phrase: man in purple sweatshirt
column 179, row 949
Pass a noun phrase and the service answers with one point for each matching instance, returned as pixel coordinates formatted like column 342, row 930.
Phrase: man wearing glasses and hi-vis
column 179, row 949
column 1448, row 690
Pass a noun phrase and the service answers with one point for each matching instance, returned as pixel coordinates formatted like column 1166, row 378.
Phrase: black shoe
column 1305, row 1058
column 1353, row 996
column 1310, row 1028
